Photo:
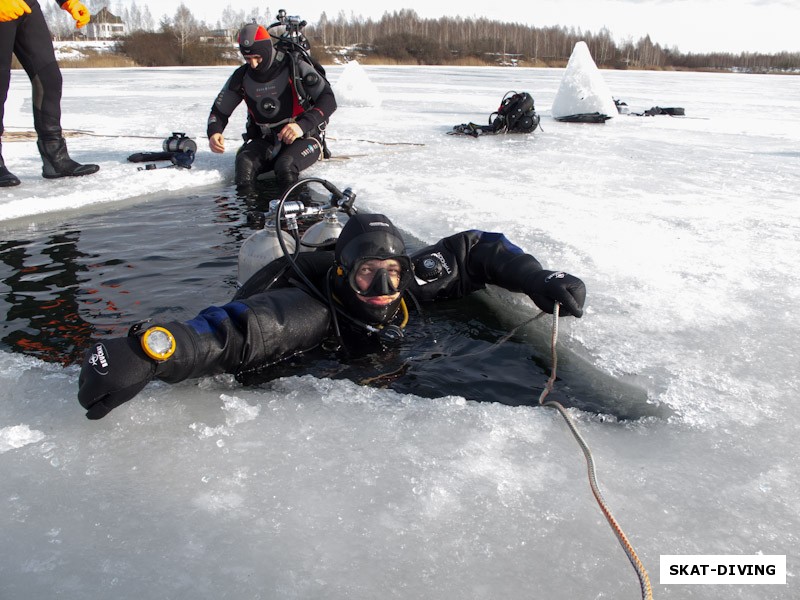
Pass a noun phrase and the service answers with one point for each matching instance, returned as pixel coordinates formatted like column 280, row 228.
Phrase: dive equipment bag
column 516, row 114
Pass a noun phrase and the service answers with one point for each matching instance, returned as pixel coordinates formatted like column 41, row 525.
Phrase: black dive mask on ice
column 368, row 237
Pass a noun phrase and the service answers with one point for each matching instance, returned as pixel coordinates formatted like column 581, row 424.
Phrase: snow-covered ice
column 686, row 232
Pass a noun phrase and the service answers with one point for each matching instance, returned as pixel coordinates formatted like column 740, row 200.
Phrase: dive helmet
column 366, row 237
column 254, row 40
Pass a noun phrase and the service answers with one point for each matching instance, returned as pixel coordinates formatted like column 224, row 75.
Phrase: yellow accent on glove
column 11, row 10
column 78, row 11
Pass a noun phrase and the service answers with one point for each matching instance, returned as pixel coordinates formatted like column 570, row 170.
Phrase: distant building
column 105, row 26
column 220, row 37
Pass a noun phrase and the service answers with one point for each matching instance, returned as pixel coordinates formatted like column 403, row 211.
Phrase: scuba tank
column 308, row 75
column 260, row 249
column 322, row 234
column 263, row 246
column 290, row 42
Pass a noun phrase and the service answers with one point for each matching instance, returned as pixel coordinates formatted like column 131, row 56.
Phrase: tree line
column 443, row 40
column 402, row 36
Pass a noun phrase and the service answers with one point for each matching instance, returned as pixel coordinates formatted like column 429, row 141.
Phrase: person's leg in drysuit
column 252, row 159
column 33, row 47
column 293, row 159
column 8, row 31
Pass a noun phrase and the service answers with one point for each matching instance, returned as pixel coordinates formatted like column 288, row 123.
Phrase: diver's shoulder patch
column 431, row 267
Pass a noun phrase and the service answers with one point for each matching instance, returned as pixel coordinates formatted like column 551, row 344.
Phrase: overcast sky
column 691, row 26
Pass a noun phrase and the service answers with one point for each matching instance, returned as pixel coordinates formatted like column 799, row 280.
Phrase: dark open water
column 94, row 275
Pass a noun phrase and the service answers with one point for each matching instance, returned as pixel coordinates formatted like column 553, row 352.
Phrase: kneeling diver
column 285, row 132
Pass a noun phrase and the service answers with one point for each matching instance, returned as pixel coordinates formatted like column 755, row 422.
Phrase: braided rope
column 641, row 572
column 86, row 132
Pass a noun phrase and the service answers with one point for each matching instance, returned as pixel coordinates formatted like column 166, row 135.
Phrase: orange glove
column 10, row 10
column 78, row 11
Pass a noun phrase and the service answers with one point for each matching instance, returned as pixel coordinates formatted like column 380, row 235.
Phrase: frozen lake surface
column 685, row 231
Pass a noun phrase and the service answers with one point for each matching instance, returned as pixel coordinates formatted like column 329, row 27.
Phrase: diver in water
column 354, row 296
column 24, row 32
column 285, row 129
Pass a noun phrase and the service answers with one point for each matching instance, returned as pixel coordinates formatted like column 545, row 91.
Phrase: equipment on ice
column 178, row 148
column 516, row 114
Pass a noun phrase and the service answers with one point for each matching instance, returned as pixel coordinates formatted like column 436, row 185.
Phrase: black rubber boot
column 57, row 162
column 7, row 179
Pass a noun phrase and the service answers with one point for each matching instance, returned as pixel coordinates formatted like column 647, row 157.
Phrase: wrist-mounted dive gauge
column 158, row 343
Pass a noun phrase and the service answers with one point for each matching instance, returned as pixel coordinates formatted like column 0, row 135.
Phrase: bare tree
column 185, row 28
column 232, row 21
column 95, row 6
column 322, row 26
column 133, row 18
column 604, row 46
column 61, row 25
column 256, row 14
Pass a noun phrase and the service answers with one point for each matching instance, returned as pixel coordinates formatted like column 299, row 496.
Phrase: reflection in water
column 67, row 283
column 42, row 300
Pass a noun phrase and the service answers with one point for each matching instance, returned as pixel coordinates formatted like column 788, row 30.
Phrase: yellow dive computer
column 158, row 343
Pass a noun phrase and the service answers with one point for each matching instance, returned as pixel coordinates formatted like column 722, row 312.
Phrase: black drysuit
column 272, row 101
column 29, row 39
column 275, row 316
column 262, row 327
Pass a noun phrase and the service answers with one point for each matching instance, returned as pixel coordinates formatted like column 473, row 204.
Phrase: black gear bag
column 516, row 114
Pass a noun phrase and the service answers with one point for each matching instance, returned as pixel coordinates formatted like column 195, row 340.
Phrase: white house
column 105, row 25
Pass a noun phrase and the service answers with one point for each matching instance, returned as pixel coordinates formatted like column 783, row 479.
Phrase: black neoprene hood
column 254, row 40
column 368, row 236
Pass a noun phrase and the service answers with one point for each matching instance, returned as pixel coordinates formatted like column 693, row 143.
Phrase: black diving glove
column 549, row 287
column 113, row 372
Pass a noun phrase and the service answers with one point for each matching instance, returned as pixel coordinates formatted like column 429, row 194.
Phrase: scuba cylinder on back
column 290, row 41
column 264, row 245
column 261, row 248
column 313, row 83
column 322, row 234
